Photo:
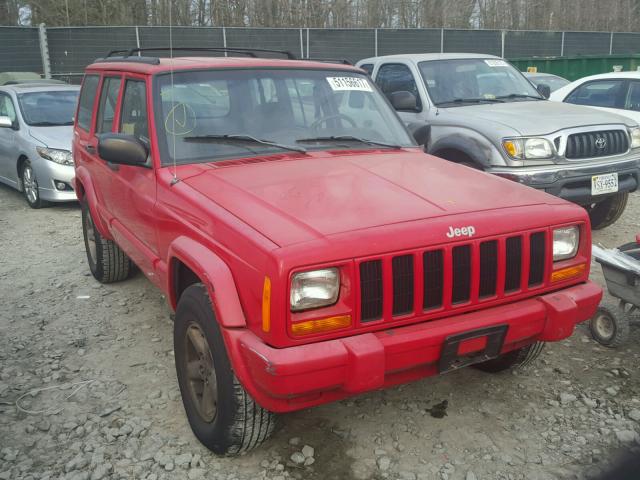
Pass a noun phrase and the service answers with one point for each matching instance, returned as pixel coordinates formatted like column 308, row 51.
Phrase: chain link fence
column 63, row 52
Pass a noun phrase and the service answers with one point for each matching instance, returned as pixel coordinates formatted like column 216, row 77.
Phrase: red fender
column 85, row 192
column 216, row 276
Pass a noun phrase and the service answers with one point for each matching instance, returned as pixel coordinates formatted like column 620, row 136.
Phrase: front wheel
column 222, row 414
column 607, row 211
column 516, row 358
column 30, row 187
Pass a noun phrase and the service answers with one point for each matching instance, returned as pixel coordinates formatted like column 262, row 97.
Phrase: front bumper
column 572, row 181
column 48, row 173
column 293, row 378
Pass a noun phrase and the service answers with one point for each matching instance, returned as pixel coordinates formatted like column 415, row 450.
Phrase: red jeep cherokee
column 310, row 248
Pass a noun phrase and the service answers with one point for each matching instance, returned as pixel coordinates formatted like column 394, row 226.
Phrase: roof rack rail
column 342, row 61
column 250, row 52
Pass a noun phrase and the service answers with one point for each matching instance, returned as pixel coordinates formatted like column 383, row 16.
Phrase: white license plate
column 601, row 184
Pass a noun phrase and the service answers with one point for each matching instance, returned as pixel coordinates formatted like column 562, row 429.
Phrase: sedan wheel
column 30, row 186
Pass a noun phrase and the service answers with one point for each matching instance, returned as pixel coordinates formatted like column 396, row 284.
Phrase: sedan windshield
column 475, row 81
column 554, row 82
column 215, row 115
column 48, row 109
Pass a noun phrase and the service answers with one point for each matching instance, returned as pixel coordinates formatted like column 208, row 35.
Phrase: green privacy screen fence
column 65, row 51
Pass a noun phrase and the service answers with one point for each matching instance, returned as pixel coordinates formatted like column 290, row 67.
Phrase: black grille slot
column 433, row 263
column 596, row 144
column 402, row 284
column 370, row 290
column 461, row 265
column 536, row 258
column 513, row 264
column 488, row 268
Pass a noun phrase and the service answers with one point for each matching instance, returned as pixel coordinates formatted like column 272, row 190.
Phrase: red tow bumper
column 297, row 377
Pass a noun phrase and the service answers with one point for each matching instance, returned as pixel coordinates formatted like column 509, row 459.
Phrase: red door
column 132, row 194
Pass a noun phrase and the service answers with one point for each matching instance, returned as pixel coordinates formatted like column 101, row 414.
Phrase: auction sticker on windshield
column 349, row 83
column 601, row 184
column 496, row 63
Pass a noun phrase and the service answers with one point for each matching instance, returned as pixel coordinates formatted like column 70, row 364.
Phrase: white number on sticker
column 496, row 63
column 349, row 83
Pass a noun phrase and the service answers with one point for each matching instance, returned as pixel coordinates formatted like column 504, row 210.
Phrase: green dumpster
column 573, row 68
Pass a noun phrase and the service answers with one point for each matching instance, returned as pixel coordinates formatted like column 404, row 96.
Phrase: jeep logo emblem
column 469, row 231
column 601, row 142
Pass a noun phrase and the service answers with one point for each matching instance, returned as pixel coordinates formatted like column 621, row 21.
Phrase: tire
column 107, row 262
column 514, row 359
column 230, row 421
column 609, row 326
column 30, row 188
column 608, row 211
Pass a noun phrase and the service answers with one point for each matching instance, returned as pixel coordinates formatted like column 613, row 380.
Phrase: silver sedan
column 36, row 128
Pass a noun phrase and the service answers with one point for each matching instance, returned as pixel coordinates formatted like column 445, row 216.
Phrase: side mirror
column 544, row 90
column 403, row 100
column 122, row 149
column 421, row 132
column 5, row 122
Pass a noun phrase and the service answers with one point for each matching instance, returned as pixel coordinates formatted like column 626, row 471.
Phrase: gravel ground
column 88, row 389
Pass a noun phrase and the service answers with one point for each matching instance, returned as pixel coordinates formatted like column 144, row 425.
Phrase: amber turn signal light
column 322, row 325
column 266, row 305
column 568, row 272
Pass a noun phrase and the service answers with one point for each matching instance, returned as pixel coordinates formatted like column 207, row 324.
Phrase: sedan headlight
column 63, row 157
column 565, row 242
column 634, row 133
column 528, row 148
column 314, row 289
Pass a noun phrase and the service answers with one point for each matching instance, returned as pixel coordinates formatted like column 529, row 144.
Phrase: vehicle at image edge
column 484, row 114
column 311, row 249
column 554, row 82
column 36, row 126
column 615, row 92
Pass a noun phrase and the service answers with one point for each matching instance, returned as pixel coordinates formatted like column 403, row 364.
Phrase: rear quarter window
column 87, row 98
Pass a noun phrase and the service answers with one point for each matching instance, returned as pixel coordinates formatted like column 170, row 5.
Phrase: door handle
column 90, row 149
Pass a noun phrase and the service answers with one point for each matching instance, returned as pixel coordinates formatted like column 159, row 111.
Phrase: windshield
column 474, row 79
column 48, row 109
column 220, row 114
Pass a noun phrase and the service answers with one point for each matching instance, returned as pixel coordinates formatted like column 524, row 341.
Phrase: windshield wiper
column 471, row 100
column 348, row 138
column 242, row 138
column 520, row 95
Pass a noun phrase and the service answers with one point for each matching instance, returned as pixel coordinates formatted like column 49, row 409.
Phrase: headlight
column 565, row 242
column 634, row 133
column 528, row 148
column 317, row 288
column 63, row 157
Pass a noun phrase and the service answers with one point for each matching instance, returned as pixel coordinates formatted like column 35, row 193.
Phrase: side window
column 395, row 77
column 6, row 107
column 107, row 107
column 133, row 116
column 633, row 97
column 87, row 97
column 367, row 67
column 602, row 93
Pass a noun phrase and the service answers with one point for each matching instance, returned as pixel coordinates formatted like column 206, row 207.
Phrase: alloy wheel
column 200, row 373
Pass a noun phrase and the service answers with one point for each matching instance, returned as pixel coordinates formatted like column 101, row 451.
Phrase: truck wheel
column 606, row 212
column 222, row 415
column 609, row 326
column 516, row 358
column 107, row 262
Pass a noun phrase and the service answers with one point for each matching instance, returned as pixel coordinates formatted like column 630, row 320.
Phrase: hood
column 54, row 137
column 322, row 194
column 531, row 118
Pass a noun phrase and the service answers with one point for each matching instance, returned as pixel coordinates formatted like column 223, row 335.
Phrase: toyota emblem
column 601, row 142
